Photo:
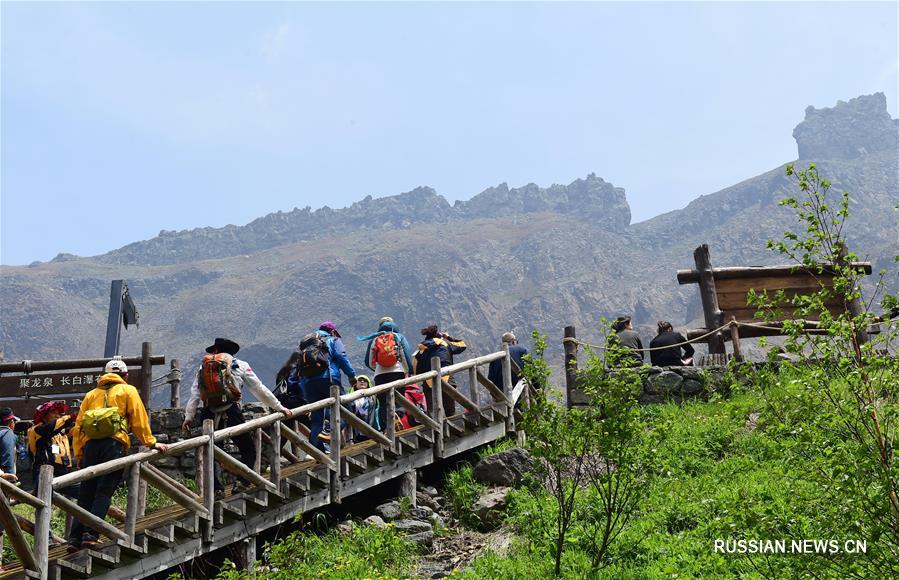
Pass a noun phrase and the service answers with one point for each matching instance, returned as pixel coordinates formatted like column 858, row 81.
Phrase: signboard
column 23, row 393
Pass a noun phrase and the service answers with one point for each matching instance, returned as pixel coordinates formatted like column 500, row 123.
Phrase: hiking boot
column 73, row 546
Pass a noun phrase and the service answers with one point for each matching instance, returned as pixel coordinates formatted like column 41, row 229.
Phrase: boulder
column 424, row 499
column 409, row 526
column 421, row 513
column 345, row 527
column 389, row 511
column 690, row 387
column 424, row 539
column 506, row 468
column 375, row 521
column 489, row 506
column 664, row 383
column 690, row 373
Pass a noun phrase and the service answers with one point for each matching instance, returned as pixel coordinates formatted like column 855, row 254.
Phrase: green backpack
column 104, row 422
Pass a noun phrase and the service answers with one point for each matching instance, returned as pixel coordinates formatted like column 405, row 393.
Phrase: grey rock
column 162, row 438
column 505, row 468
column 424, row 539
column 421, row 512
column 375, row 521
column 412, row 526
column 691, row 387
column 664, row 382
column 345, row 527
column 424, row 499
column 430, row 490
column 690, row 373
column 489, row 506
column 188, row 462
column 389, row 511
column 169, row 462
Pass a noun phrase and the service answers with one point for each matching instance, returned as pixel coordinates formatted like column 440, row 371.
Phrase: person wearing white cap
column 93, row 445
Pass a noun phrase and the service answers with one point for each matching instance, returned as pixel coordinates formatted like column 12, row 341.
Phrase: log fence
column 294, row 472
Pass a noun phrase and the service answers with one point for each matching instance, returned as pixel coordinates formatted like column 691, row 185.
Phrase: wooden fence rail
column 290, row 452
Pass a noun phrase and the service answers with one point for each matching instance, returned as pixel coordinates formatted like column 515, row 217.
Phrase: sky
column 118, row 120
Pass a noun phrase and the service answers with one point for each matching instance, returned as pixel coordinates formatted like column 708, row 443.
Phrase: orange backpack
column 385, row 350
column 218, row 387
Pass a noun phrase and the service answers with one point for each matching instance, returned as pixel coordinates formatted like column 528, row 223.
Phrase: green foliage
column 366, row 552
column 462, row 490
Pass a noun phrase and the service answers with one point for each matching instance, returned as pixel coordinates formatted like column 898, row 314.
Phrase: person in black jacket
column 673, row 356
column 626, row 337
column 516, row 352
column 441, row 345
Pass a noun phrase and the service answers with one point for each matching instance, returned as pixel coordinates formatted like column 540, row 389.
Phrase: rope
column 697, row 339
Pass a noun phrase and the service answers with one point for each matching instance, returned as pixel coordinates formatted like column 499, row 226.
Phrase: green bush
column 462, row 490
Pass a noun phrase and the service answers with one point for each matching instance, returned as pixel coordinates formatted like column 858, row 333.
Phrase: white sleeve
column 190, row 411
column 262, row 393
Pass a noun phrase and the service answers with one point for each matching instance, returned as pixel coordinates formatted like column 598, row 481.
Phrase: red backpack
column 414, row 394
column 385, row 350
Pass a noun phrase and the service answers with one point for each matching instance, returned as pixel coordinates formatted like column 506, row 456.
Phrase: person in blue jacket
column 389, row 347
column 318, row 388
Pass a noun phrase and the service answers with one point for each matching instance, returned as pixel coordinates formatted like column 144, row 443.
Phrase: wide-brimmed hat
column 224, row 345
column 329, row 326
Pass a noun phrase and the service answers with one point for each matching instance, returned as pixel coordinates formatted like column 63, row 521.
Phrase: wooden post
column 274, row 459
column 570, row 347
column 473, row 390
column 335, row 444
column 247, row 550
column 437, row 412
column 408, row 485
column 390, row 427
column 17, row 537
column 714, row 318
column 175, row 382
column 42, row 517
column 735, row 339
column 208, row 453
column 142, row 498
column 146, row 369
column 507, row 389
column 257, row 441
column 131, row 508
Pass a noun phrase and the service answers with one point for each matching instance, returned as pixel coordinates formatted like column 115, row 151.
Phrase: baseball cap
column 116, row 366
column 329, row 326
column 6, row 415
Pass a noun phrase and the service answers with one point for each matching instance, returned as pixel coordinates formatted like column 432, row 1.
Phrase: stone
column 424, row 499
column 489, row 506
column 691, row 387
column 375, row 521
column 690, row 373
column 424, row 539
column 345, row 527
column 188, row 462
column 389, row 511
column 162, row 438
column 409, row 526
column 430, row 490
column 168, row 462
column 506, row 468
column 421, row 513
column 664, row 383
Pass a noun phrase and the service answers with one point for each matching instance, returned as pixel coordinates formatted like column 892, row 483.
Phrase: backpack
column 315, row 356
column 385, row 350
column 104, row 422
column 218, row 387
column 414, row 394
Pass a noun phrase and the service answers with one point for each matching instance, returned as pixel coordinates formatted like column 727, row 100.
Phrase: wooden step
column 189, row 523
column 78, row 565
column 163, row 535
column 300, row 482
column 375, row 455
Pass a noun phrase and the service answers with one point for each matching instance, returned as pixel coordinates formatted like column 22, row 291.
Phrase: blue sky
column 123, row 119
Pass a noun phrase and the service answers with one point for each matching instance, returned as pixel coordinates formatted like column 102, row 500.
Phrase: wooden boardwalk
column 292, row 479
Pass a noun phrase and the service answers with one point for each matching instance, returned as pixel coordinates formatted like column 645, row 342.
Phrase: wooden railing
column 289, row 443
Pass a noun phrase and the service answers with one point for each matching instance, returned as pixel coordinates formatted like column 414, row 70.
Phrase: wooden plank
column 730, row 300
column 335, row 443
column 692, row 276
column 437, row 413
column 133, row 499
column 20, row 495
column 800, row 281
column 711, row 312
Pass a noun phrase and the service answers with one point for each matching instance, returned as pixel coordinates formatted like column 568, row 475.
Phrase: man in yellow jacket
column 95, row 495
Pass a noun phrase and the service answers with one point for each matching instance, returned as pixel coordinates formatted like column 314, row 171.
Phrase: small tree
column 856, row 387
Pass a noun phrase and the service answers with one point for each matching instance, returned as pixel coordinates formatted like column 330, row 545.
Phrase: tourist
column 8, row 440
column 218, row 387
column 443, row 346
column 48, row 442
column 324, row 357
column 516, row 353
column 628, row 339
column 99, row 436
column 389, row 356
column 674, row 356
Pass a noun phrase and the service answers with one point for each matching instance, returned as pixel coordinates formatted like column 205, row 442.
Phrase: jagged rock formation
column 850, row 130
column 509, row 258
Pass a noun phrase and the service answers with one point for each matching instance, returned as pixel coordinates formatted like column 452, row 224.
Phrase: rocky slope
column 520, row 258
